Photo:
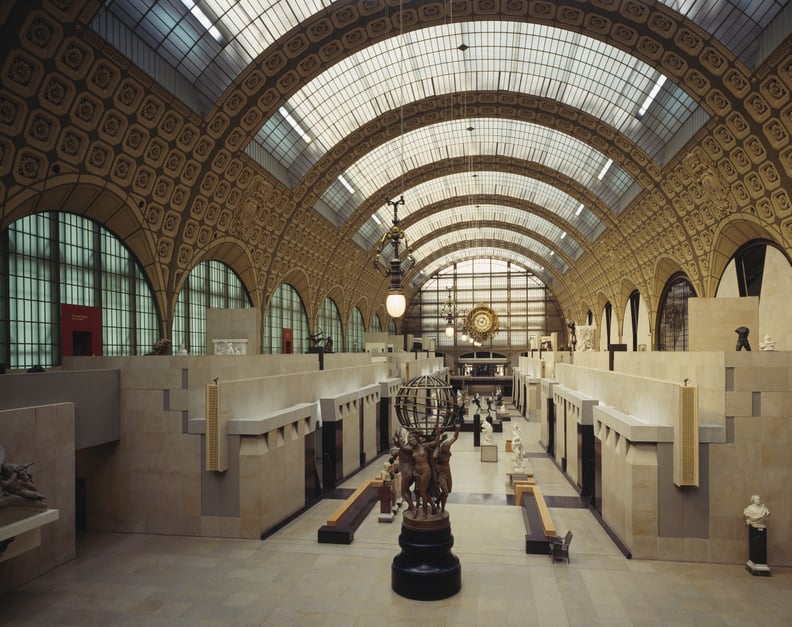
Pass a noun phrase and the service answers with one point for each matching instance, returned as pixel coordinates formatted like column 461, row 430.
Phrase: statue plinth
column 426, row 570
column 757, row 552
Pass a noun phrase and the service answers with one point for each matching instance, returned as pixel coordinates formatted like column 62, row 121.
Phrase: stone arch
column 731, row 234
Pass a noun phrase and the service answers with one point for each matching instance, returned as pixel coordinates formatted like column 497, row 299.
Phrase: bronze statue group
column 425, row 463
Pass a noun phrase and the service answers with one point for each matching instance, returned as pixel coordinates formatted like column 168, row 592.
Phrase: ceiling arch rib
column 456, row 252
column 576, row 70
column 524, row 213
column 489, row 215
column 472, row 232
column 524, row 188
column 510, row 139
column 214, row 50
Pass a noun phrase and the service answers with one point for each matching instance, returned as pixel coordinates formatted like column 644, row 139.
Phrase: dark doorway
column 82, row 343
column 80, row 504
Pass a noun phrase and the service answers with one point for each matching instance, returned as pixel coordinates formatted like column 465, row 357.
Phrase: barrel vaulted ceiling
column 555, row 135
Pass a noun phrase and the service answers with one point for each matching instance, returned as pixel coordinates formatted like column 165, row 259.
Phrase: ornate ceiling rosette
column 482, row 323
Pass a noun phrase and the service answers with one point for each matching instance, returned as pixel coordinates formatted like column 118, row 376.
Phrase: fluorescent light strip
column 204, row 20
column 295, row 125
column 376, row 219
column 563, row 235
column 605, row 168
column 579, row 210
column 652, row 95
column 346, row 184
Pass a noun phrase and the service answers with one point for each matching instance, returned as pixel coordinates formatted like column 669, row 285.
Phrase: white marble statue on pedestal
column 518, row 449
column 486, row 432
column 756, row 514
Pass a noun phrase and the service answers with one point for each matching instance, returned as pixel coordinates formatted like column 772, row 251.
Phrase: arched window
column 356, row 340
column 606, row 339
column 285, row 311
column 635, row 306
column 392, row 327
column 328, row 323
column 376, row 324
column 672, row 319
column 56, row 258
column 210, row 284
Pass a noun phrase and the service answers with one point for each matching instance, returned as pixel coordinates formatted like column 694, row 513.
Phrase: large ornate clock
column 483, row 322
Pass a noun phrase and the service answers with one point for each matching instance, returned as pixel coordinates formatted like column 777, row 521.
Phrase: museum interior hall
column 266, row 264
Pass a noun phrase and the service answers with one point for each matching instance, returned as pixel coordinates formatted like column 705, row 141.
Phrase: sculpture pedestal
column 757, row 552
column 489, row 452
column 426, row 570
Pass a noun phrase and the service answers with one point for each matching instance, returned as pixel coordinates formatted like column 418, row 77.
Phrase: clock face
column 482, row 322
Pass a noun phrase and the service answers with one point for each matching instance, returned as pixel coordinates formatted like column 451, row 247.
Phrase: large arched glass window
column 286, row 311
column 376, row 324
column 523, row 303
column 55, row 258
column 356, row 332
column 210, row 284
column 672, row 321
column 328, row 323
column 392, row 327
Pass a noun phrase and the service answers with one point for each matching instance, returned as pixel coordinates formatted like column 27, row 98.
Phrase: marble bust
column 756, row 514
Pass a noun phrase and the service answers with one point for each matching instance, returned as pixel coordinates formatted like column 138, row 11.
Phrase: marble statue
column 768, row 344
column 486, row 431
column 585, row 338
column 756, row 514
column 742, row 338
column 518, row 449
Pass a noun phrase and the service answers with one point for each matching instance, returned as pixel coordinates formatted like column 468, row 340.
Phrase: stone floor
column 290, row 579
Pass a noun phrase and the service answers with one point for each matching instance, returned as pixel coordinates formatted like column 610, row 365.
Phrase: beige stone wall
column 151, row 480
column 747, row 450
column 351, row 437
column 712, row 321
column 370, row 416
column 272, row 478
column 244, row 324
column 43, row 435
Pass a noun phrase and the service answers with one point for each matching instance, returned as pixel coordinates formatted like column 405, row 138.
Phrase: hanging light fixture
column 448, row 312
column 396, row 303
column 396, row 268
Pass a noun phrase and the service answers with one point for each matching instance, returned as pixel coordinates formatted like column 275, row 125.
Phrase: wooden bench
column 344, row 521
column 539, row 524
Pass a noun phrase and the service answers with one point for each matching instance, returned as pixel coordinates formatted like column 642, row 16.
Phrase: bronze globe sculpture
column 425, row 569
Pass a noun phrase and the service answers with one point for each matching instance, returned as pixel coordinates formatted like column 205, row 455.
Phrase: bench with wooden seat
column 539, row 527
column 344, row 521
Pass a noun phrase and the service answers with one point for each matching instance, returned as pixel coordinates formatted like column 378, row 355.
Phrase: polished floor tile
column 290, row 579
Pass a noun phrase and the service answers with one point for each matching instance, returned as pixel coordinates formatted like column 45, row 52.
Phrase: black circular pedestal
column 426, row 570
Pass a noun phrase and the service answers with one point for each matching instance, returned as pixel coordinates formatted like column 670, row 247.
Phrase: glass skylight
column 511, row 139
column 487, row 214
column 248, row 27
column 466, row 184
column 482, row 252
column 484, row 236
column 560, row 65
